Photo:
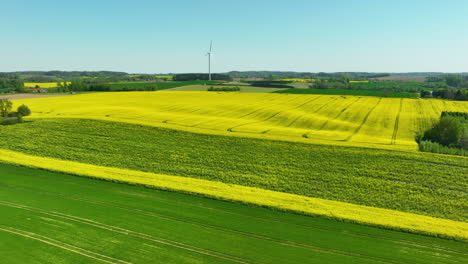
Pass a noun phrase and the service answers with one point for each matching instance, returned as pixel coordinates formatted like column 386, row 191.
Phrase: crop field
column 297, row 80
column 388, row 123
column 379, row 93
column 432, row 185
column 42, row 85
column 52, row 217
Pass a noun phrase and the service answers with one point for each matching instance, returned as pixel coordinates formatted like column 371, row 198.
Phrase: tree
column 23, row 110
column 454, row 80
column 448, row 131
column 5, row 106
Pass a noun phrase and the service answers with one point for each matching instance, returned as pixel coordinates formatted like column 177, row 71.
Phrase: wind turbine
column 209, row 61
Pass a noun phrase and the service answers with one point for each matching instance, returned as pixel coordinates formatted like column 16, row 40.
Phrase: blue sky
column 294, row 35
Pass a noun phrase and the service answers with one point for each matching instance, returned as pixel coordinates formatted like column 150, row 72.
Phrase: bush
column 23, row 110
column 12, row 114
column 428, row 146
column 9, row 121
column 448, row 136
column 224, row 89
column 448, row 131
column 271, row 84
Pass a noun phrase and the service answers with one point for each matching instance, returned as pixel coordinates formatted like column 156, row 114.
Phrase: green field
column 422, row 183
column 379, row 93
column 56, row 218
column 145, row 86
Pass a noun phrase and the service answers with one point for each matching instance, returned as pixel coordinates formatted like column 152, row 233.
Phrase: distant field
column 403, row 78
column 409, row 86
column 379, row 93
column 243, row 88
column 52, row 217
column 131, row 86
column 421, row 183
column 389, row 123
column 42, row 85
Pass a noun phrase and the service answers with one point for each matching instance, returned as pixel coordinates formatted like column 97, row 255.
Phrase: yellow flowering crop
column 42, row 85
column 387, row 123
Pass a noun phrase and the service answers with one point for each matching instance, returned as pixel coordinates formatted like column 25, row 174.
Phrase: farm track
column 295, row 108
column 397, row 121
column 214, row 227
column 184, row 246
column 339, row 114
column 127, row 232
column 297, row 118
column 270, row 117
column 306, row 135
column 62, row 245
column 363, row 121
column 248, row 234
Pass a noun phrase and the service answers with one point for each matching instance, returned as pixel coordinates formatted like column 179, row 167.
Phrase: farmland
column 54, row 217
column 379, row 93
column 348, row 158
column 268, row 165
column 387, row 123
column 42, row 85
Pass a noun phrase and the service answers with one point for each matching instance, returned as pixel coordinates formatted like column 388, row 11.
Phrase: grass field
column 379, row 93
column 388, row 123
column 421, row 183
column 50, row 217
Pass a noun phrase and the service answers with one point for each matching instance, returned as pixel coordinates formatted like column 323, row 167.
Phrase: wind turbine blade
column 211, row 44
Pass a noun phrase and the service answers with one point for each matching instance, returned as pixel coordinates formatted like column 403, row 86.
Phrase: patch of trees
column 223, row 89
column 272, row 75
column 270, row 84
column 82, row 86
column 449, row 135
column 448, row 93
column 11, row 82
column 8, row 117
column 201, row 76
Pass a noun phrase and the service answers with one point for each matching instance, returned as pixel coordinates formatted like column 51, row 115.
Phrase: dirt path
column 28, row 96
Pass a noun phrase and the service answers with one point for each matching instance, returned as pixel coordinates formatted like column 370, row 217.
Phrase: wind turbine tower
column 209, row 61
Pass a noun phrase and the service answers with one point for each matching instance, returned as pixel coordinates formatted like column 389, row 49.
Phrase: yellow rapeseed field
column 307, row 205
column 297, row 80
column 42, row 85
column 388, row 123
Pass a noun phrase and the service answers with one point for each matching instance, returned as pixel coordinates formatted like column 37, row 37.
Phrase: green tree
column 23, row 110
column 454, row 80
column 448, row 131
column 5, row 106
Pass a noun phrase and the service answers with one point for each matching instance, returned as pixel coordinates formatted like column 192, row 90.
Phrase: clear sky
column 152, row 36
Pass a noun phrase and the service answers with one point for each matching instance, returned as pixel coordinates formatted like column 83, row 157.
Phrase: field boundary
column 385, row 218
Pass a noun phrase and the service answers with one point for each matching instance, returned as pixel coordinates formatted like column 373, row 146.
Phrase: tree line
column 10, row 81
column 201, row 76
